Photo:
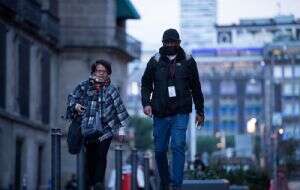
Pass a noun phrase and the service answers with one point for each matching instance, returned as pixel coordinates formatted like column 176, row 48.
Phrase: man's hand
column 199, row 119
column 79, row 108
column 148, row 110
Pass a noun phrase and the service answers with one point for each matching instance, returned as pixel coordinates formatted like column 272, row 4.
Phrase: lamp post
column 268, row 107
column 251, row 125
column 278, row 132
column 251, row 129
column 55, row 158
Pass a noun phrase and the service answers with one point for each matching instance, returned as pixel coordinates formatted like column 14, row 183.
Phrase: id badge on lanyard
column 171, row 87
column 172, row 91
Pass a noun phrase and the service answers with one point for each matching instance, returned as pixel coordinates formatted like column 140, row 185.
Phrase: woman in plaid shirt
column 98, row 105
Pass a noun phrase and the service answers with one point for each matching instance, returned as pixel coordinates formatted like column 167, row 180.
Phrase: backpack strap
column 188, row 56
column 157, row 57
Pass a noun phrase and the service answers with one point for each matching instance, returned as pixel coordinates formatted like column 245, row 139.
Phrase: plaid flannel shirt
column 114, row 114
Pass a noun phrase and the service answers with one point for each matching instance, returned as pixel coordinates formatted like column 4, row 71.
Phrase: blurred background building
column 197, row 21
column 29, row 46
column 252, row 73
column 46, row 49
column 233, row 70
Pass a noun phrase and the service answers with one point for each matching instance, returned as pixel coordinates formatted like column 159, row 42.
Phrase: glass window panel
column 288, row 72
column 297, row 71
column 288, row 108
column 228, row 87
column 277, row 72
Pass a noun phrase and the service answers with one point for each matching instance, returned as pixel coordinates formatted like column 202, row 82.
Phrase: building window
column 2, row 66
column 253, row 88
column 287, row 89
column 229, row 125
column 224, row 37
column 288, row 72
column 39, row 166
column 297, row 71
column 297, row 89
column 297, row 109
column 287, row 108
column 45, row 88
column 24, row 77
column 208, row 110
column 229, row 110
column 277, row 71
column 277, row 97
column 228, row 88
column 239, row 31
column 206, row 88
column 18, row 163
column 253, row 110
column 298, row 34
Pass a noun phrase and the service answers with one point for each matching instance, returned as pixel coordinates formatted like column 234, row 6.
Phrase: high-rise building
column 257, row 32
column 197, row 23
column 233, row 73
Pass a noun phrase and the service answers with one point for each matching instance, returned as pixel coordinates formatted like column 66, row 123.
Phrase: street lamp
column 281, row 131
column 251, row 129
column 251, row 125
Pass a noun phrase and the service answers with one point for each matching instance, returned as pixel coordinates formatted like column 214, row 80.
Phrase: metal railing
column 146, row 172
column 91, row 36
column 31, row 12
column 56, row 158
column 134, row 160
column 118, row 165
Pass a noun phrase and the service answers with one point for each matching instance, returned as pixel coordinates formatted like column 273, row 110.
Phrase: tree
column 206, row 144
column 209, row 143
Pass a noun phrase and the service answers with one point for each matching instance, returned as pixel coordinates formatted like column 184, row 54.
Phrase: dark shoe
column 99, row 186
column 164, row 187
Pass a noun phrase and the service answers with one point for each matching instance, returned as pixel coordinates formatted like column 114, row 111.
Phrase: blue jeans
column 173, row 127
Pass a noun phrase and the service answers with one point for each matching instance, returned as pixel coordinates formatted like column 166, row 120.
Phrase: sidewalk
column 294, row 185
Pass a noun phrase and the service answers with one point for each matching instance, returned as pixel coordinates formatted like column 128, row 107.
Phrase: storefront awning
column 126, row 10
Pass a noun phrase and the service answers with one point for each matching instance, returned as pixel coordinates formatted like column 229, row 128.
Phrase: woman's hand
column 79, row 108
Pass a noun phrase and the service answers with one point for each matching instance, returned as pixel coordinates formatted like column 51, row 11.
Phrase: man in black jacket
column 169, row 84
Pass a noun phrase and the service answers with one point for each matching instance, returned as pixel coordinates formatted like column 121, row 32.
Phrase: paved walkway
column 294, row 185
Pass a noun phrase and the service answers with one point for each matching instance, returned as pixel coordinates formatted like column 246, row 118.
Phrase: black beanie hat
column 170, row 35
